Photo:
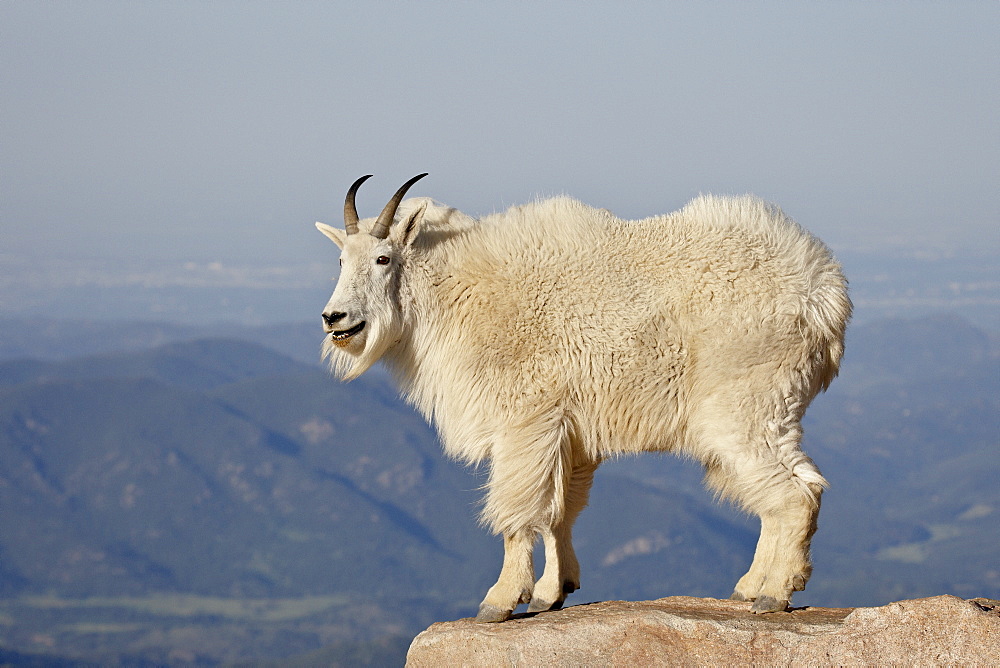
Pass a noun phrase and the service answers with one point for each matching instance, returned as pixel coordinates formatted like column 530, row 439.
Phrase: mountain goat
column 547, row 337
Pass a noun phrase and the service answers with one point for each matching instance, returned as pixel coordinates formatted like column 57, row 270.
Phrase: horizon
column 168, row 161
column 884, row 282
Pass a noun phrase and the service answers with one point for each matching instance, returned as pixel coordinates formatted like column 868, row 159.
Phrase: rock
column 685, row 631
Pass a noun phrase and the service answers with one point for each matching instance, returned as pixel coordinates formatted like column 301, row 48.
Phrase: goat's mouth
column 345, row 334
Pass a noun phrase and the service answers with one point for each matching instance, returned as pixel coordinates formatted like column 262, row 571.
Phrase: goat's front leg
column 529, row 464
column 516, row 578
column 562, row 571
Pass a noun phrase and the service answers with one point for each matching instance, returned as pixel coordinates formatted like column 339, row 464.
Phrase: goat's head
column 363, row 318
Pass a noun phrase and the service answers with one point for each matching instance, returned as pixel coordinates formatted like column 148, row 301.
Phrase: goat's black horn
column 350, row 209
column 381, row 228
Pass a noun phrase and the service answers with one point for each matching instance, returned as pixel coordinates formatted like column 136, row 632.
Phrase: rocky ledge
column 683, row 631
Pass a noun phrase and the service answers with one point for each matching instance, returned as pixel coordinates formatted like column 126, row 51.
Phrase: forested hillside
column 212, row 499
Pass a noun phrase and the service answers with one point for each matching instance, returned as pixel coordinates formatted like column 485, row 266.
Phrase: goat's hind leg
column 788, row 505
column 781, row 563
column 777, row 482
column 750, row 584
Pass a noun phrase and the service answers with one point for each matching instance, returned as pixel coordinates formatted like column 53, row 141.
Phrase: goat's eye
column 382, row 259
column 341, row 261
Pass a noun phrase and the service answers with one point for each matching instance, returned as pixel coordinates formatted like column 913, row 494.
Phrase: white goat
column 547, row 337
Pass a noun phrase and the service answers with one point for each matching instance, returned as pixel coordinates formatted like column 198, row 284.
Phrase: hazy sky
column 221, row 130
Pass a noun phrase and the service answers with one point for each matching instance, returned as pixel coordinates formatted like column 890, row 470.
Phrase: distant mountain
column 221, row 469
column 200, row 364
column 218, row 495
column 55, row 339
column 909, row 350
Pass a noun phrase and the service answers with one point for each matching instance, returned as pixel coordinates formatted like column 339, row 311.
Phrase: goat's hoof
column 736, row 596
column 768, row 604
column 544, row 606
column 490, row 614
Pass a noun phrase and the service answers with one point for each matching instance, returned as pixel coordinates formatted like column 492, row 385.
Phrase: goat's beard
column 351, row 358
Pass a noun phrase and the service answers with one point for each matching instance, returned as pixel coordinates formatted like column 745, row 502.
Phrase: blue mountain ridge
column 221, row 469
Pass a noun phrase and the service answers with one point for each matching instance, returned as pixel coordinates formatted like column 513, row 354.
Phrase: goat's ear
column 336, row 236
column 410, row 226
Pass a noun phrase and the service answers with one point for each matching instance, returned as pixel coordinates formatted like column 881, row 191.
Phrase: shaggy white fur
column 545, row 338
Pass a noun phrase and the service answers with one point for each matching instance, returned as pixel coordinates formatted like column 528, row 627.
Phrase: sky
column 209, row 136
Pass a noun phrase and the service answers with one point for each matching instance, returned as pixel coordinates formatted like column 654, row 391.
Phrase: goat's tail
column 827, row 313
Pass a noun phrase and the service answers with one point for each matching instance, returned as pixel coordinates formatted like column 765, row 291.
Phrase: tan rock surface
column 683, row 631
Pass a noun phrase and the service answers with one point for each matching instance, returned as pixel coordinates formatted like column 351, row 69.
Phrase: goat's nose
column 331, row 318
